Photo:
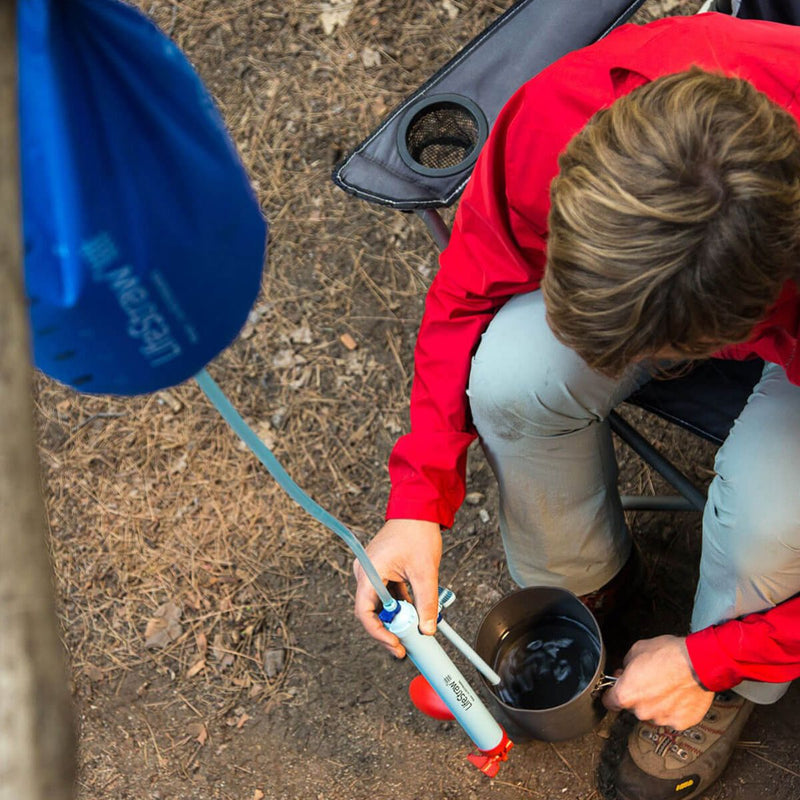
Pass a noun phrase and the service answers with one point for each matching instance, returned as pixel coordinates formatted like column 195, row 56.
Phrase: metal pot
column 521, row 614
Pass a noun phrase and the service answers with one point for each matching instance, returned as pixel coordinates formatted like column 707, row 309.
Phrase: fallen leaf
column 370, row 57
column 201, row 642
column 348, row 341
column 179, row 465
column 264, row 432
column 287, row 358
column 301, row 335
column 169, row 399
column 218, row 646
column 302, row 379
column 193, row 601
column 93, row 673
column 199, row 731
column 196, row 668
column 335, row 15
column 392, row 425
column 241, row 721
column 274, row 660
column 164, row 626
column 279, row 417
column 450, row 8
column 258, row 795
column 358, row 363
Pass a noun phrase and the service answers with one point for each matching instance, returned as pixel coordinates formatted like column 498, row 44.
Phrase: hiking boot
column 611, row 598
column 661, row 763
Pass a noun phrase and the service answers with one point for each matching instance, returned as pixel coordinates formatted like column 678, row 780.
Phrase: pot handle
column 605, row 682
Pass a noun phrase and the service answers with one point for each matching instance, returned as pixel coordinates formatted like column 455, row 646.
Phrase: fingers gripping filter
column 441, row 135
column 144, row 243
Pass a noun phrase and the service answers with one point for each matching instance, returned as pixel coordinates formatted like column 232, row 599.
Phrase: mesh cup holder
column 441, row 134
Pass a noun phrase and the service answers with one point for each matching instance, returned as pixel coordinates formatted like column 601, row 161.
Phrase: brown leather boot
column 660, row 763
column 617, row 606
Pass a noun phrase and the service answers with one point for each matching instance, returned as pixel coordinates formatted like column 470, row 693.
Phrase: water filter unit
column 429, row 657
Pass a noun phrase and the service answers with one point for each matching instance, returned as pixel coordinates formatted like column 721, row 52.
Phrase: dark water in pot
column 546, row 665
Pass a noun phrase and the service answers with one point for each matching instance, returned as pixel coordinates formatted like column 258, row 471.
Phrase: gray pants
column 542, row 418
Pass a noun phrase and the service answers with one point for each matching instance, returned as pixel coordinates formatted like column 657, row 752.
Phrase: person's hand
column 658, row 684
column 404, row 551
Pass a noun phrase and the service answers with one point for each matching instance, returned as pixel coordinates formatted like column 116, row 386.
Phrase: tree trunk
column 36, row 733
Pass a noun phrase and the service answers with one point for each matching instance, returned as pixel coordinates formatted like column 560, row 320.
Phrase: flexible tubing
column 264, row 455
column 469, row 653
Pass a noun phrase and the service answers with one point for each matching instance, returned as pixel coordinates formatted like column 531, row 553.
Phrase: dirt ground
column 208, row 620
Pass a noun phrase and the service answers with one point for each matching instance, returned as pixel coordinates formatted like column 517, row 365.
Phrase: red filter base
column 488, row 762
column 425, row 698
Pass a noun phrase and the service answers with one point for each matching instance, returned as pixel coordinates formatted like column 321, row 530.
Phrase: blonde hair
column 674, row 220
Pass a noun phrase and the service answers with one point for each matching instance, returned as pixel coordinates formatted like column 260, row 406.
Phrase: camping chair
column 420, row 158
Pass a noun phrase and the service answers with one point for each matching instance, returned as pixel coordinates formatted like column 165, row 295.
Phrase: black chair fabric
column 785, row 11
column 515, row 47
column 706, row 400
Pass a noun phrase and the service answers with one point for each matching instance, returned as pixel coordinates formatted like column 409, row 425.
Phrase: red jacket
column 497, row 250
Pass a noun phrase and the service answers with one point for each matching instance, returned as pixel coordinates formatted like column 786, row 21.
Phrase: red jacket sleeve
column 493, row 254
column 761, row 647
